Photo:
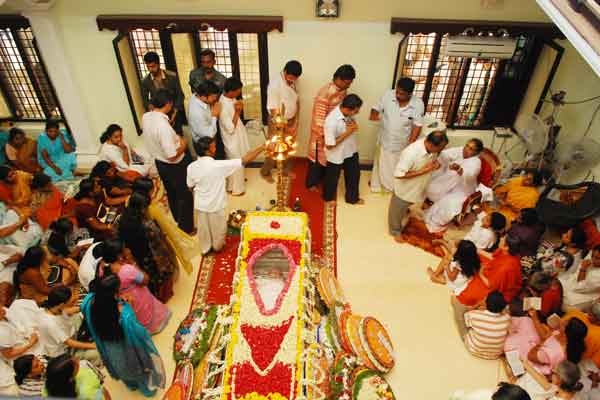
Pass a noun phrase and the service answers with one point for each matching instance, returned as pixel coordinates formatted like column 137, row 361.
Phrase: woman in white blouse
column 115, row 150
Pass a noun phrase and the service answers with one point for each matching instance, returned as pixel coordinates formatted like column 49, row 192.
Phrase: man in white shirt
column 206, row 179
column 233, row 132
column 581, row 283
column 203, row 110
column 282, row 92
column 401, row 125
column 171, row 159
column 452, row 184
column 412, row 174
column 341, row 150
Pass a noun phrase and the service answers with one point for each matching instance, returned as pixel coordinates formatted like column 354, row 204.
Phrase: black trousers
column 351, row 169
column 181, row 200
column 220, row 153
column 315, row 174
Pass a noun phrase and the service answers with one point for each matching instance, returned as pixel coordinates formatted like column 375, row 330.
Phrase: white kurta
column 114, row 154
column 482, row 238
column 580, row 294
column 235, row 141
column 448, row 190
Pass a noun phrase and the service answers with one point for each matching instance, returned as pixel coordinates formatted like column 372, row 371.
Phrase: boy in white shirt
column 206, row 179
column 341, row 150
column 486, row 230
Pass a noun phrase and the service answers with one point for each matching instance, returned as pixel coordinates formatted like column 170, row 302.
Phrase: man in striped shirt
column 487, row 329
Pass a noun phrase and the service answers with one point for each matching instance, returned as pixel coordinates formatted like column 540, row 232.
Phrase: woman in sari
column 21, row 152
column 184, row 246
column 149, row 246
column 115, row 150
column 518, row 193
column 15, row 187
column 149, row 311
column 89, row 199
column 46, row 200
column 125, row 345
column 56, row 153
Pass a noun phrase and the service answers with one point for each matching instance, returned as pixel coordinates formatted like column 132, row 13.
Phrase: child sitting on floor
column 456, row 271
column 487, row 230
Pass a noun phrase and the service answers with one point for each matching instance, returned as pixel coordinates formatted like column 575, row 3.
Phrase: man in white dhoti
column 402, row 122
column 233, row 132
column 452, row 184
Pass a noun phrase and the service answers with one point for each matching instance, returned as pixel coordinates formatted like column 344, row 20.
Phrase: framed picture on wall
column 328, row 8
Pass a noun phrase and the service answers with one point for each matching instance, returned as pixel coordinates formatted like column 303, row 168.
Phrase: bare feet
column 238, row 194
column 399, row 239
column 331, row 202
column 438, row 279
column 430, row 272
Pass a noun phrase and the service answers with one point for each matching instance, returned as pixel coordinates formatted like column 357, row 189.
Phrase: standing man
column 203, row 111
column 341, row 148
column 157, row 79
column 206, row 71
column 401, row 125
column 328, row 98
column 417, row 161
column 206, row 178
column 233, row 131
column 171, row 158
column 282, row 91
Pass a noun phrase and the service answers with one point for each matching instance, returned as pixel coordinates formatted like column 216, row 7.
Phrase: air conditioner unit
column 480, row 47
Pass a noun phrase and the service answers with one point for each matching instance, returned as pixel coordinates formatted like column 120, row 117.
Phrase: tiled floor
column 382, row 279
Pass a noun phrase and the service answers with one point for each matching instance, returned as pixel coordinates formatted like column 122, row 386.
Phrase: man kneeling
column 206, row 179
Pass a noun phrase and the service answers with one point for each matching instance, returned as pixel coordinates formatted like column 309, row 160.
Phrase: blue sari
column 67, row 162
column 133, row 360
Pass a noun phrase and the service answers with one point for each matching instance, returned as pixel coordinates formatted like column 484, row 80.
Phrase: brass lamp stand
column 280, row 147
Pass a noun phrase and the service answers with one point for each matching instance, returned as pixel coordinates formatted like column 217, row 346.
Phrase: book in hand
column 553, row 321
column 85, row 242
column 514, row 362
column 532, row 303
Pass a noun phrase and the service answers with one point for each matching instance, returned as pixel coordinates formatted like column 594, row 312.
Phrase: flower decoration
column 275, row 225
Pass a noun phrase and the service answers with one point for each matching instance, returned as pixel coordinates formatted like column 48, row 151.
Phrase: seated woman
column 487, row 231
column 522, row 335
column 149, row 246
column 502, row 269
column 185, row 246
column 15, row 187
column 581, row 283
column 114, row 326
column 116, row 151
column 568, row 254
column 56, row 153
column 62, row 239
column 526, row 232
column 30, row 375
column 150, row 312
column 68, row 377
column 37, row 273
column 115, row 188
column 89, row 199
column 518, row 193
column 568, row 342
column 549, row 289
column 46, row 201
column 457, row 270
column 21, row 151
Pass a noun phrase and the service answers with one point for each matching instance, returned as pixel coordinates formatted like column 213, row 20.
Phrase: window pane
column 444, row 86
column 49, row 101
column 417, row 60
column 143, row 41
column 250, row 74
column 218, row 41
column 478, row 85
column 16, row 81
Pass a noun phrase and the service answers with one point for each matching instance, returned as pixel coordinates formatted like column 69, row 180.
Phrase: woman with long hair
column 184, row 246
column 115, row 150
column 89, row 199
column 21, row 151
column 68, row 377
column 124, row 344
column 149, row 246
column 62, row 238
column 456, row 270
column 150, row 312
column 116, row 189
column 46, row 200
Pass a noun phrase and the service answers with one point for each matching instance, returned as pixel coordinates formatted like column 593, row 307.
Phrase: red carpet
column 416, row 234
column 220, row 286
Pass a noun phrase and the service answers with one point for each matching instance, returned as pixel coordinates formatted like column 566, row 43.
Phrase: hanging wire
column 587, row 130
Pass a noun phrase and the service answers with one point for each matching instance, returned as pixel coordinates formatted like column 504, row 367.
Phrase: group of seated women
column 523, row 292
column 83, row 279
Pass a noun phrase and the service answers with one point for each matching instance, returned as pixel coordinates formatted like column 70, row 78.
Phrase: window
column 27, row 92
column 237, row 54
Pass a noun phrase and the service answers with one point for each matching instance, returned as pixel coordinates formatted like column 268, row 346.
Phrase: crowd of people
column 88, row 261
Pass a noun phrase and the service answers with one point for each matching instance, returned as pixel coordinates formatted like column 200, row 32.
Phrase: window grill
column 143, row 41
